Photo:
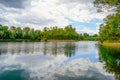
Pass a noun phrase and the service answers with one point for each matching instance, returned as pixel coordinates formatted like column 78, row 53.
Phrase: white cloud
column 41, row 13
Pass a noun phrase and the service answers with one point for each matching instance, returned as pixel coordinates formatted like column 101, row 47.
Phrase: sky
column 37, row 14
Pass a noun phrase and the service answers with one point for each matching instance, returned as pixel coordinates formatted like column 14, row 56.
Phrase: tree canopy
column 52, row 33
column 110, row 29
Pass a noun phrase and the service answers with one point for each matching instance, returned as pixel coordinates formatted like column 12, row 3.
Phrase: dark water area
column 111, row 58
column 83, row 60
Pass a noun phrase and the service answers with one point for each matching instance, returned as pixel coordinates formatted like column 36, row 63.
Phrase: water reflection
column 111, row 58
column 20, row 74
column 56, row 48
column 51, row 61
column 51, row 48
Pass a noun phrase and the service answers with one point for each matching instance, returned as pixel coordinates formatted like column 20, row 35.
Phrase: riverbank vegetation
column 47, row 34
column 110, row 30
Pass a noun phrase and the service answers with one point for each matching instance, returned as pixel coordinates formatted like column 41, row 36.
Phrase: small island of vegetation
column 19, row 34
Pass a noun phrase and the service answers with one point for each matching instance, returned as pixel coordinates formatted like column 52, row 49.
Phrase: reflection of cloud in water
column 54, row 68
column 77, row 70
column 80, row 62
column 86, row 46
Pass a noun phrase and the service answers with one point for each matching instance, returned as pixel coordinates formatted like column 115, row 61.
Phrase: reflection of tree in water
column 57, row 48
column 45, row 48
column 54, row 49
column 111, row 57
column 69, row 49
column 3, row 49
column 51, row 48
column 19, row 48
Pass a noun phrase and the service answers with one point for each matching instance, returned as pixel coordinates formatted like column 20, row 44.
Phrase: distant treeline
column 54, row 33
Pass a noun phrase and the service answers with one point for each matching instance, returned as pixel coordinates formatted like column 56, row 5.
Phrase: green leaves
column 110, row 30
column 67, row 33
column 107, row 2
column 52, row 33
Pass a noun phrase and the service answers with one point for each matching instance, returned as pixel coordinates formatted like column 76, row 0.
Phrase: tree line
column 52, row 33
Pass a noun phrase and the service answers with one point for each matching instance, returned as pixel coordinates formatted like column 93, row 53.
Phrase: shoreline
column 28, row 40
column 49, row 40
column 18, row 40
column 61, row 40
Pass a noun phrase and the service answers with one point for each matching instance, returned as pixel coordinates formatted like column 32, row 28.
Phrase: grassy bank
column 111, row 44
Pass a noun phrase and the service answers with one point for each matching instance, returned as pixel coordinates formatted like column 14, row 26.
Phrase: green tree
column 70, row 33
column 86, row 36
column 1, row 31
column 32, row 33
column 13, row 32
column 6, row 32
column 67, row 33
column 37, row 35
column 19, row 33
column 26, row 33
column 110, row 30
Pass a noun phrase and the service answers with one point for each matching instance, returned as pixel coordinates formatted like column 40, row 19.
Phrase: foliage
column 110, row 30
column 109, row 2
column 52, row 33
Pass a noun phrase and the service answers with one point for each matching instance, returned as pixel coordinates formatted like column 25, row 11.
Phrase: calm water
column 57, row 61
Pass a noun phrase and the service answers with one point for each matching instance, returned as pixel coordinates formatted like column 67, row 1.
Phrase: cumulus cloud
column 41, row 13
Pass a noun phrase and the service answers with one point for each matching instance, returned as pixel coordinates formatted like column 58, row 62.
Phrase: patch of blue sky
column 92, row 57
column 92, row 24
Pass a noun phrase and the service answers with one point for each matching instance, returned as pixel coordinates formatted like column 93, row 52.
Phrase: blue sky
column 38, row 14
column 92, row 25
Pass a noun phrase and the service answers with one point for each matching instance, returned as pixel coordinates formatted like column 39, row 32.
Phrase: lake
column 82, row 60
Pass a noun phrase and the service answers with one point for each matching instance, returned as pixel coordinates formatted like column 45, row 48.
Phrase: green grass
column 111, row 44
